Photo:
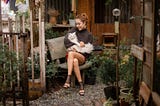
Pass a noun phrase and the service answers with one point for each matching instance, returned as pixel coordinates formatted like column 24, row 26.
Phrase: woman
column 75, row 57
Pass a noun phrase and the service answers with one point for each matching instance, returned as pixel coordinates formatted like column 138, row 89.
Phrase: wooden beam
column 31, row 37
column 156, row 98
column 145, row 92
column 0, row 17
column 137, row 52
column 42, row 45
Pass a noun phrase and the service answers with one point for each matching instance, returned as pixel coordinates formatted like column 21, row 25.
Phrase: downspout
column 0, row 19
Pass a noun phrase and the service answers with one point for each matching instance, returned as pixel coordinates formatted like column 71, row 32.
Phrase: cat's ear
column 74, row 33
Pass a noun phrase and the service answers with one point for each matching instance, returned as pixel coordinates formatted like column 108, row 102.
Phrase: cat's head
column 72, row 36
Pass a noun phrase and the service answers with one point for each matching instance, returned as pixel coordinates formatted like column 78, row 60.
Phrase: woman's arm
column 90, row 38
column 67, row 42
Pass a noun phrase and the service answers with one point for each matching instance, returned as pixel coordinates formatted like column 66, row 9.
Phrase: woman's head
column 81, row 21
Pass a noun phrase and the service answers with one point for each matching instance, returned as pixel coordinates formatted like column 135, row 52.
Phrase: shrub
column 104, row 66
column 9, row 65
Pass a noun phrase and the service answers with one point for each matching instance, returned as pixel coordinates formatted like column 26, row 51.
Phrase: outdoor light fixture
column 116, row 12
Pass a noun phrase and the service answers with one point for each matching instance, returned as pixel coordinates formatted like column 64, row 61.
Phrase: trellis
column 40, row 13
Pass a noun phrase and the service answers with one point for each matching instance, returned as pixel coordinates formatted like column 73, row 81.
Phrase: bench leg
column 73, row 80
column 83, row 77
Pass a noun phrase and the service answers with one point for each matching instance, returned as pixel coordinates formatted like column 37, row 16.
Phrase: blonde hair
column 83, row 17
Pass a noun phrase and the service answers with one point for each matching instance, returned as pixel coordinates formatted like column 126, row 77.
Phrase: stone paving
column 94, row 96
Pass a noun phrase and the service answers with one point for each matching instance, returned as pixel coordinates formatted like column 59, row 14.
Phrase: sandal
column 81, row 92
column 66, row 85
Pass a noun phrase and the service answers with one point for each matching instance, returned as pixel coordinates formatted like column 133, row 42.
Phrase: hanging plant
column 53, row 16
column 53, row 12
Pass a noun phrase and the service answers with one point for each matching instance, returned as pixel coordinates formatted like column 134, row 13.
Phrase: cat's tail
column 89, row 48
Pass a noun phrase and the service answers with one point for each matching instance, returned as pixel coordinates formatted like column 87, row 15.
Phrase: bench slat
column 82, row 67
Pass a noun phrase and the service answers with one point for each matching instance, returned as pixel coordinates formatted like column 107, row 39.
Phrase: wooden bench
column 57, row 50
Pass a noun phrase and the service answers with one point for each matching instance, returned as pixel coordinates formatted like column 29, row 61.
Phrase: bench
column 57, row 50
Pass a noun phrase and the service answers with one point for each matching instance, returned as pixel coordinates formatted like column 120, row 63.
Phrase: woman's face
column 80, row 25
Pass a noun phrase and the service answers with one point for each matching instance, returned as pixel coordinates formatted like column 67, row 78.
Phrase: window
column 103, row 10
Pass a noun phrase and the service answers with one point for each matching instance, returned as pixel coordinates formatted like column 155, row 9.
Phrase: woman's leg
column 74, row 59
column 79, row 58
column 78, row 75
column 77, row 70
column 70, row 68
column 70, row 62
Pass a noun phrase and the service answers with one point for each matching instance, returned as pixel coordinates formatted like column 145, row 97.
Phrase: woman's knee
column 75, row 62
column 70, row 54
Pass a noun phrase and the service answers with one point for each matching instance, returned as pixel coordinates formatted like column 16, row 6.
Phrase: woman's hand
column 82, row 44
column 74, row 50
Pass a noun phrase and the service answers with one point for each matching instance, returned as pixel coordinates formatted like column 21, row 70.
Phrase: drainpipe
column 0, row 19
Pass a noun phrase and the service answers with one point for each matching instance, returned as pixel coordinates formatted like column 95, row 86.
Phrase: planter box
column 35, row 90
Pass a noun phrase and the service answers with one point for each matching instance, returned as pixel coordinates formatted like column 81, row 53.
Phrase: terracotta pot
column 64, row 22
column 124, row 103
column 53, row 20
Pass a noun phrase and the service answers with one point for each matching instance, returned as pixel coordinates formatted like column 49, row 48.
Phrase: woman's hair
column 83, row 17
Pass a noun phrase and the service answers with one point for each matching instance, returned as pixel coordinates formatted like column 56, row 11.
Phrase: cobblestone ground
column 94, row 96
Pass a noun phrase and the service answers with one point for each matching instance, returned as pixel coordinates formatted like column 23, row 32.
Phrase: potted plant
column 71, row 19
column 53, row 16
column 64, row 18
column 108, row 102
column 126, row 96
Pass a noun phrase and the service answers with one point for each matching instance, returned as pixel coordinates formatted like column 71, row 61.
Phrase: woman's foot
column 67, row 83
column 81, row 91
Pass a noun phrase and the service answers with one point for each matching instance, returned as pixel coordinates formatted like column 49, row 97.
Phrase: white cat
column 73, row 38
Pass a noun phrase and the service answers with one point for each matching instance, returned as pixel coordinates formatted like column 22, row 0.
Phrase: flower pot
column 123, row 103
column 124, row 92
column 110, row 92
column 64, row 22
column 53, row 20
column 126, row 95
column 72, row 22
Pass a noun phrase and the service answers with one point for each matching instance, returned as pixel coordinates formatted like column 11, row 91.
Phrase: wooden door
column 149, row 43
column 147, row 87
